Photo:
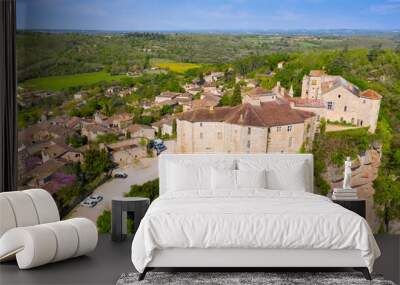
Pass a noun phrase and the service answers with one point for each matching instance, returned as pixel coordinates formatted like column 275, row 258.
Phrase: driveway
column 145, row 170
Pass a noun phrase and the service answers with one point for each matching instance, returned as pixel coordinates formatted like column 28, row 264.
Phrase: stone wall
column 364, row 172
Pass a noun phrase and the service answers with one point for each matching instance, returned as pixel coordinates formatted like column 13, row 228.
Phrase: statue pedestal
column 344, row 194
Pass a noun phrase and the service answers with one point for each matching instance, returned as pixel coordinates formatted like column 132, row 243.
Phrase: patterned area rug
column 233, row 278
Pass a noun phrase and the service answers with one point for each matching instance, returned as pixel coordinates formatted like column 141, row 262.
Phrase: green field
column 174, row 66
column 57, row 83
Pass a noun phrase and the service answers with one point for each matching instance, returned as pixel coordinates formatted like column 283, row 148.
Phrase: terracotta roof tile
column 370, row 94
column 266, row 115
column 259, row 91
column 317, row 73
column 207, row 101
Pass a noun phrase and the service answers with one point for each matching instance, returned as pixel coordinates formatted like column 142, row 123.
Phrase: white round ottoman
column 40, row 244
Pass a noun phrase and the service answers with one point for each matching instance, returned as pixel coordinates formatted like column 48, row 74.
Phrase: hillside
column 49, row 54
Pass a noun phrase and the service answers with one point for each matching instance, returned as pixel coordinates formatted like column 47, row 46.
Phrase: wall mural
column 98, row 102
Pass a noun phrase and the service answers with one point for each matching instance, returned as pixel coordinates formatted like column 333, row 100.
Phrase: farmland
column 57, row 83
column 179, row 67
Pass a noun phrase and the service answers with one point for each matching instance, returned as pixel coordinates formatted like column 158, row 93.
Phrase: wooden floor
column 110, row 260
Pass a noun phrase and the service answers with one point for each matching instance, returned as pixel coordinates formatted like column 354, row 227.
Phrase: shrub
column 104, row 222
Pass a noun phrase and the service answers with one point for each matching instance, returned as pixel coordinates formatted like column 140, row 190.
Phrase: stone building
column 126, row 152
column 270, row 127
column 140, row 131
column 344, row 102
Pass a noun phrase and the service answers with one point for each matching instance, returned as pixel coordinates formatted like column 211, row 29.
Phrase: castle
column 336, row 99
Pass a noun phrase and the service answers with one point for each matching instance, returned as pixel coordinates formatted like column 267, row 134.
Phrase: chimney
column 278, row 84
column 282, row 91
column 211, row 108
column 291, row 92
column 241, row 118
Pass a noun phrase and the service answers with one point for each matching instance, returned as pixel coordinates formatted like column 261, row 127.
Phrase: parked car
column 120, row 175
column 95, row 198
column 158, row 142
column 157, row 145
column 160, row 149
column 88, row 203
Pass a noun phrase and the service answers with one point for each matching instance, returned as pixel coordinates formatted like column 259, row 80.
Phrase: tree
column 107, row 108
column 387, row 198
column 95, row 163
column 146, row 63
column 166, row 109
column 374, row 52
column 107, row 138
column 174, row 128
column 236, row 98
column 75, row 140
column 225, row 100
column 201, row 78
column 148, row 190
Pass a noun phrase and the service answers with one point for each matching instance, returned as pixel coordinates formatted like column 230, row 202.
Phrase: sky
column 159, row 15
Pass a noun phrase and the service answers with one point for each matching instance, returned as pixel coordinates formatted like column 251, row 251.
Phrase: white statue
column 347, row 174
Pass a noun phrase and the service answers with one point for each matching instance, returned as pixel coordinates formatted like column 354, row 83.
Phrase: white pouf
column 31, row 232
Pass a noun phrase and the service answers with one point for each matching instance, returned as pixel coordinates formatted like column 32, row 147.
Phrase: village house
column 126, row 92
column 74, row 123
column 164, row 125
column 249, row 82
column 126, row 152
column 185, row 103
column 170, row 102
column 270, row 127
column 213, row 77
column 59, row 121
column 80, row 95
column 57, row 149
column 259, row 95
column 99, row 118
column 92, row 131
column 73, row 155
column 212, row 88
column 344, row 102
column 42, row 173
column 205, row 101
column 281, row 64
column 120, row 121
column 166, row 96
column 52, row 151
column 112, row 90
column 140, row 131
column 192, row 88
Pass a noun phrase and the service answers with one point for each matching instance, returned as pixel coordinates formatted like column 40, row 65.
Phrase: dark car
column 160, row 148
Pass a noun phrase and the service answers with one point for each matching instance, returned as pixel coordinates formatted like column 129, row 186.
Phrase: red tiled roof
column 370, row 94
column 266, row 115
column 317, row 73
column 207, row 101
column 259, row 91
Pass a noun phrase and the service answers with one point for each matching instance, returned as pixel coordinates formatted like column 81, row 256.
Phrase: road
column 145, row 170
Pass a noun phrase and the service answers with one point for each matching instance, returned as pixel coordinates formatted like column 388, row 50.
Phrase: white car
column 88, row 203
column 120, row 175
column 95, row 198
